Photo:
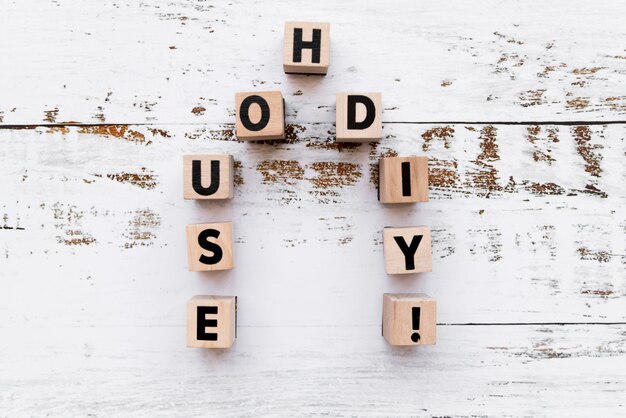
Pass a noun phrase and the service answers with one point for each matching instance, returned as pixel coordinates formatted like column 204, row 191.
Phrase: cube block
column 359, row 117
column 210, row 246
column 407, row 250
column 403, row 179
column 260, row 116
column 208, row 176
column 211, row 321
column 409, row 319
column 306, row 47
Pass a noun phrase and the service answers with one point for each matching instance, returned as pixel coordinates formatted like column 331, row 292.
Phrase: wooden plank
column 181, row 61
column 575, row 371
column 527, row 224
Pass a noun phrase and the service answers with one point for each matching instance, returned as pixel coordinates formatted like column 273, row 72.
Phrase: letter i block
column 359, row 117
column 260, row 116
column 210, row 246
column 211, row 321
column 407, row 250
column 306, row 48
column 208, row 176
column 403, row 179
column 409, row 319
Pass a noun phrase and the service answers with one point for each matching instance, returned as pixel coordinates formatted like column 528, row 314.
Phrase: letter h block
column 260, row 116
column 211, row 321
column 359, row 117
column 210, row 246
column 208, row 176
column 407, row 250
column 306, row 48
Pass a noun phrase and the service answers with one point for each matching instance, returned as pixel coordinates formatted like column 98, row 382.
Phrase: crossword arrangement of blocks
column 408, row 318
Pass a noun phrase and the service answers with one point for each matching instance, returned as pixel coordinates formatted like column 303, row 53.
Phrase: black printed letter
column 210, row 246
column 315, row 45
column 370, row 112
column 203, row 323
column 245, row 117
column 409, row 252
column 196, row 177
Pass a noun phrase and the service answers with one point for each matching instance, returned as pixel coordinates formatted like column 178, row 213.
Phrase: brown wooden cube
column 260, row 115
column 208, row 176
column 210, row 246
column 211, row 321
column 407, row 250
column 409, row 319
column 403, row 179
column 306, row 47
column 359, row 117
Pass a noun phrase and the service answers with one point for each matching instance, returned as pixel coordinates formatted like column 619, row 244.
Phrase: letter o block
column 359, row 117
column 403, row 179
column 208, row 176
column 210, row 246
column 407, row 250
column 306, row 48
column 260, row 116
column 211, row 321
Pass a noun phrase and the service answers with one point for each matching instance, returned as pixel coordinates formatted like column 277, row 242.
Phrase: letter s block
column 409, row 319
column 260, row 116
column 407, row 250
column 306, row 48
column 210, row 246
column 403, row 179
column 208, row 176
column 359, row 117
column 211, row 321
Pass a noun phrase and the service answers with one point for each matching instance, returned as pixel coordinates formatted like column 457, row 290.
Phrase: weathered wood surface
column 528, row 220
column 181, row 61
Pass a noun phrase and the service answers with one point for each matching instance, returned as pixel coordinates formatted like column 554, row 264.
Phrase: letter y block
column 407, row 250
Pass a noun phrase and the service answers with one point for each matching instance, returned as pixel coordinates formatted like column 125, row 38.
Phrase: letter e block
column 403, row 179
column 210, row 246
column 260, row 116
column 306, row 48
column 407, row 250
column 409, row 319
column 211, row 321
column 208, row 176
column 359, row 117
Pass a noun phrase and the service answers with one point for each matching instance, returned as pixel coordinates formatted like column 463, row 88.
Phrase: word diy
column 408, row 319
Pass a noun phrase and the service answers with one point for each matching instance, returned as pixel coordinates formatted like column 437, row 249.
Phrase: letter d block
column 409, row 319
column 260, row 116
column 407, row 250
column 359, row 117
column 211, row 321
column 403, row 179
column 210, row 246
column 208, row 176
column 306, row 48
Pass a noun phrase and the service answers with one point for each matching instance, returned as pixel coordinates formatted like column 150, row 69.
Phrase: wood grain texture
column 180, row 61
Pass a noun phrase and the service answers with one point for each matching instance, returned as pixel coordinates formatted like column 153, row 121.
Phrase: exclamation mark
column 415, row 337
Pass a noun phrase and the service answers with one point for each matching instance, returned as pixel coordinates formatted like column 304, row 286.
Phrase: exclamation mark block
column 409, row 319
column 211, row 321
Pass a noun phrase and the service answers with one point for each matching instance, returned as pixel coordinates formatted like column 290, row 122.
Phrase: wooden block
column 211, row 321
column 359, row 117
column 306, row 48
column 260, row 116
column 210, row 246
column 208, row 176
column 407, row 250
column 403, row 179
column 409, row 319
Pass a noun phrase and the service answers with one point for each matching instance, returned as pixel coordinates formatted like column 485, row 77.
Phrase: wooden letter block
column 260, row 116
column 407, row 250
column 208, row 176
column 210, row 246
column 403, row 179
column 306, row 48
column 409, row 319
column 211, row 321
column 359, row 117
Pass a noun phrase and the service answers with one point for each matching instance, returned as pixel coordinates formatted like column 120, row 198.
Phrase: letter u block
column 210, row 246
column 208, row 176
column 211, row 321
column 407, row 250
column 359, row 117
column 260, row 116
column 306, row 48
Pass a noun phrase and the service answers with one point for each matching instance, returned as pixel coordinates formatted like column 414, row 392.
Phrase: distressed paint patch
column 582, row 137
column 599, row 256
column 532, row 98
column 443, row 174
column 485, row 177
column 198, row 110
column 330, row 176
column 51, row 115
column 67, row 218
column 144, row 180
column 140, row 231
column 443, row 133
column 284, row 175
column 577, row 103
column 238, row 170
column 116, row 131
column 374, row 167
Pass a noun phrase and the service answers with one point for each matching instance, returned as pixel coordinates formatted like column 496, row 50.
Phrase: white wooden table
column 519, row 105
